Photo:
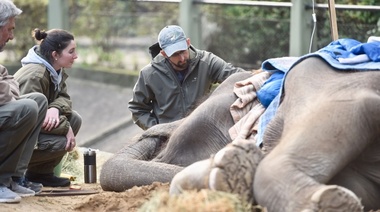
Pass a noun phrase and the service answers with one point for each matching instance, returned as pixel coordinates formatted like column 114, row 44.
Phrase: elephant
column 165, row 149
column 319, row 152
column 322, row 147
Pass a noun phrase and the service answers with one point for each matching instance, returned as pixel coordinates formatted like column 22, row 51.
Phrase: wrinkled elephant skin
column 163, row 150
column 329, row 123
column 321, row 150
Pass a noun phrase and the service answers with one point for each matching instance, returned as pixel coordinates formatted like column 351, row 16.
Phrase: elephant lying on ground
column 323, row 147
column 165, row 149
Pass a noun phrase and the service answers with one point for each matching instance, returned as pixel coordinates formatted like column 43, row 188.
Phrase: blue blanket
column 271, row 88
column 350, row 48
column 342, row 48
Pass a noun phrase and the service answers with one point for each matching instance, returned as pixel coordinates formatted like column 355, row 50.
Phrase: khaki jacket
column 36, row 78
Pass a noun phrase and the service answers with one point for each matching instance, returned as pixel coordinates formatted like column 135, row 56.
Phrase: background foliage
column 116, row 34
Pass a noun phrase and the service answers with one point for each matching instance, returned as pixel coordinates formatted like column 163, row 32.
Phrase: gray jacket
column 159, row 97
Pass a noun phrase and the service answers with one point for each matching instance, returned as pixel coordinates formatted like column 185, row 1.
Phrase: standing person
column 43, row 71
column 169, row 87
column 21, row 119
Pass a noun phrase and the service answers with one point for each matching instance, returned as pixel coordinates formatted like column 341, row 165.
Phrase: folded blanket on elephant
column 350, row 51
column 332, row 54
column 247, row 109
column 254, row 95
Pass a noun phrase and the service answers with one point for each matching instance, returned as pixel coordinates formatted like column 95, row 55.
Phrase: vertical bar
column 300, row 30
column 333, row 22
column 58, row 13
column 190, row 21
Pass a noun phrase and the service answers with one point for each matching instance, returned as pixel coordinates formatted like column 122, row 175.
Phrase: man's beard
column 180, row 66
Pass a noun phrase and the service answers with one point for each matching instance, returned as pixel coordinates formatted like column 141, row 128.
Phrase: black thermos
column 90, row 166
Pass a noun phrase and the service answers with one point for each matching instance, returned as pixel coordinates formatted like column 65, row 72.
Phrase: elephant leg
column 333, row 198
column 313, row 149
column 363, row 187
column 234, row 169
column 363, row 177
column 231, row 169
column 193, row 177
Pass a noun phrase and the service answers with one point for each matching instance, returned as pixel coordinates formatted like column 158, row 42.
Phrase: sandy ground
column 129, row 200
column 149, row 198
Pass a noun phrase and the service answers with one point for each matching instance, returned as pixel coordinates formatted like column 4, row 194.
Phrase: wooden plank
column 333, row 22
column 65, row 192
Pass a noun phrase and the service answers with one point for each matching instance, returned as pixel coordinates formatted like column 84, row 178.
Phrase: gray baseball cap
column 172, row 39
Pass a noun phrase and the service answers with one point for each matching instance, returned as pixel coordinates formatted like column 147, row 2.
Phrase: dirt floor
column 150, row 198
column 154, row 197
column 130, row 200
column 72, row 167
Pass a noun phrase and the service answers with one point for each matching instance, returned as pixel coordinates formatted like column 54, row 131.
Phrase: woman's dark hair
column 52, row 40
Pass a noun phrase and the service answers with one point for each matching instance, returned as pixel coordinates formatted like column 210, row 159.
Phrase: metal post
column 58, row 14
column 190, row 21
column 300, row 28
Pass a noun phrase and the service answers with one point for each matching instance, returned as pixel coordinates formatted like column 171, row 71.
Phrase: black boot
column 49, row 180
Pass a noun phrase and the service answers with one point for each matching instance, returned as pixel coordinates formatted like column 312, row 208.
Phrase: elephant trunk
column 132, row 166
column 120, row 173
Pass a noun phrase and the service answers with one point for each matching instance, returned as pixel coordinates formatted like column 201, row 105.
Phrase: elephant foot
column 193, row 177
column 334, row 198
column 234, row 168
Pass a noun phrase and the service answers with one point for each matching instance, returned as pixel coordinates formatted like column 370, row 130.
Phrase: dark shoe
column 36, row 187
column 49, row 180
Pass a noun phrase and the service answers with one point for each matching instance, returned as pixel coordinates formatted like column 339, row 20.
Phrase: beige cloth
column 247, row 109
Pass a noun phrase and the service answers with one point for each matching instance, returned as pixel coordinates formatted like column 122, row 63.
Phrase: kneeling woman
column 43, row 71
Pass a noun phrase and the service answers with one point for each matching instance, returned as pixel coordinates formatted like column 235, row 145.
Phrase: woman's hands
column 70, row 140
column 51, row 119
